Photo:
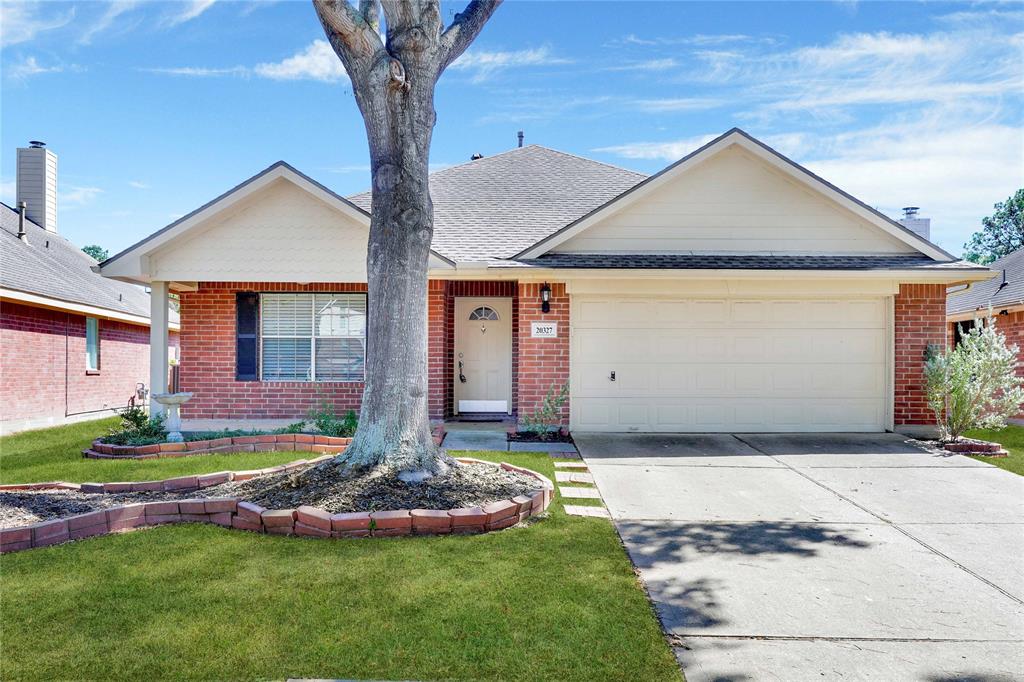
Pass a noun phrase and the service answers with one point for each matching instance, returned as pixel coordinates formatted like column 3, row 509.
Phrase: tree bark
column 393, row 83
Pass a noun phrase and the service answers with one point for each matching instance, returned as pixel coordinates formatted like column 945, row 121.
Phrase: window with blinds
column 313, row 337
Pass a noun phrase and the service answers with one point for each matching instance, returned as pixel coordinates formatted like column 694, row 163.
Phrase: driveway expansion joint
column 886, row 521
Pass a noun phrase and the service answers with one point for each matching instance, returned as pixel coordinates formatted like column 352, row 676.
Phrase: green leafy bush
column 327, row 422
column 974, row 385
column 137, row 428
column 544, row 420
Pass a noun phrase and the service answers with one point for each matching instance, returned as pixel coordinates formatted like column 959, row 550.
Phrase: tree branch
column 464, row 30
column 349, row 29
column 370, row 11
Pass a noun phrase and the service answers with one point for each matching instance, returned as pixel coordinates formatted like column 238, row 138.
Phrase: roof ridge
column 587, row 158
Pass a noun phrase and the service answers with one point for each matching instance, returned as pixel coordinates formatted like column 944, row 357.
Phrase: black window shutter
column 247, row 305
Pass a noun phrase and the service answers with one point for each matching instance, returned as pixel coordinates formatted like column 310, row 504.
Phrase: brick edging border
column 288, row 442
column 233, row 512
column 971, row 446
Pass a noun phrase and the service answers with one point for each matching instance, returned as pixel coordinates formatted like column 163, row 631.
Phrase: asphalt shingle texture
column 1003, row 290
column 499, row 205
column 50, row 265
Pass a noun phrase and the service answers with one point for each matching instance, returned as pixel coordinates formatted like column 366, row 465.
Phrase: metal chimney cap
column 36, row 144
column 476, row 156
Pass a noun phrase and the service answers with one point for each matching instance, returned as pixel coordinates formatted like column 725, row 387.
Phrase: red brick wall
column 920, row 320
column 42, row 364
column 543, row 363
column 208, row 320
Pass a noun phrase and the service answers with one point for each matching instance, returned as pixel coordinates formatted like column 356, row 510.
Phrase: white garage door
column 728, row 364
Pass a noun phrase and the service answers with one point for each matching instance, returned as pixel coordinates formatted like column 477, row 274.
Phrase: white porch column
column 158, row 303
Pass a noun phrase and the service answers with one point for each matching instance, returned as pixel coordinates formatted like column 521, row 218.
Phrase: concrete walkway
column 820, row 557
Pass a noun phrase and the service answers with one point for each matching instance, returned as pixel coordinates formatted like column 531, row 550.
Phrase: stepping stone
column 581, row 493
column 596, row 512
column 573, row 477
column 570, row 465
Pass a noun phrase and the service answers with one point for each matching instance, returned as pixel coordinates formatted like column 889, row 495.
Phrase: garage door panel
column 744, row 365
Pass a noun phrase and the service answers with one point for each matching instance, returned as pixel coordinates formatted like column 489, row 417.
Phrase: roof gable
column 266, row 188
column 777, row 206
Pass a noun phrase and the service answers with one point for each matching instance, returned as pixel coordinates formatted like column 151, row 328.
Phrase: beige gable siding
column 280, row 234
column 733, row 202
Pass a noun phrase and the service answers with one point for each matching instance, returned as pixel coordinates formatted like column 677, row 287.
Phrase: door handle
column 462, row 377
column 612, row 376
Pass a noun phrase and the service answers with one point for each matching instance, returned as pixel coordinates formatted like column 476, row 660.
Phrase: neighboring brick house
column 1003, row 294
column 732, row 291
column 73, row 344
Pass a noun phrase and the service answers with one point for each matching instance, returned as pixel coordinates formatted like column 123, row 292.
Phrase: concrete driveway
column 818, row 557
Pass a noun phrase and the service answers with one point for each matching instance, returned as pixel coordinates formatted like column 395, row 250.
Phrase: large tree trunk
column 394, row 88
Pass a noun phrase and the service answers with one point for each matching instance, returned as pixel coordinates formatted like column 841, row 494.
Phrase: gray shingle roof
column 999, row 292
column 736, row 262
column 50, row 265
column 499, row 205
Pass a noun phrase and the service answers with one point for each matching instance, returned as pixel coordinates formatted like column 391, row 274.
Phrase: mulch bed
column 532, row 437
column 331, row 489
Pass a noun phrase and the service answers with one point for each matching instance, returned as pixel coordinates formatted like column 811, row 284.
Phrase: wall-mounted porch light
column 545, row 298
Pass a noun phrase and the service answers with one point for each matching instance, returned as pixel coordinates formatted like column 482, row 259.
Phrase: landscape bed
column 116, row 507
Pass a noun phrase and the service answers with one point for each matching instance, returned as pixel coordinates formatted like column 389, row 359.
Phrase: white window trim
column 311, row 376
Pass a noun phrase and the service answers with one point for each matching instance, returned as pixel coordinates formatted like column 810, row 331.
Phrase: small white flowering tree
column 974, row 385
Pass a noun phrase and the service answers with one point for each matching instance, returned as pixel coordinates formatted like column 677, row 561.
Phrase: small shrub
column 295, row 427
column 544, row 420
column 137, row 428
column 327, row 422
column 974, row 385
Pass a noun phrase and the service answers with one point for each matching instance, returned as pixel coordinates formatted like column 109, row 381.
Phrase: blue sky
column 156, row 107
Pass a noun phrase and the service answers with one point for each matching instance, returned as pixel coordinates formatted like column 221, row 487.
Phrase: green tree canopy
column 1001, row 233
column 97, row 252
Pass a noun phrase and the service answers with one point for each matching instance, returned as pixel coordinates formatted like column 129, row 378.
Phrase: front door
column 483, row 355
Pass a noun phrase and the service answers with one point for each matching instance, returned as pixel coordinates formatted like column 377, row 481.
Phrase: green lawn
column 1012, row 439
column 556, row 600
column 56, row 455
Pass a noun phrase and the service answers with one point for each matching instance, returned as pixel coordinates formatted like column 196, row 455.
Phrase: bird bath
column 172, row 401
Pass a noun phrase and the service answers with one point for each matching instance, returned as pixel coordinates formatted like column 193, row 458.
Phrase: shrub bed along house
column 233, row 512
column 300, row 442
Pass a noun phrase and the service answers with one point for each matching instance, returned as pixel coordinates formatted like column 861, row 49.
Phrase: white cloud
column 657, row 151
column 317, row 62
column 648, row 65
column 75, row 196
column 138, row 184
column 114, row 9
column 696, row 39
column 21, row 22
column 189, row 11
column 485, row 64
column 679, row 104
column 200, row 71
column 29, row 67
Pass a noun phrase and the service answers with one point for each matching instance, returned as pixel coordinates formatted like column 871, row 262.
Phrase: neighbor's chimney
column 37, row 183
column 520, row 136
column 922, row 227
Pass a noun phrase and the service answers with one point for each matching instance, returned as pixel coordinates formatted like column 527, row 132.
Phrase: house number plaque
column 544, row 330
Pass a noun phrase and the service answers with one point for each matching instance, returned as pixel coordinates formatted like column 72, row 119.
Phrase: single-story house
column 73, row 345
column 732, row 291
column 1003, row 295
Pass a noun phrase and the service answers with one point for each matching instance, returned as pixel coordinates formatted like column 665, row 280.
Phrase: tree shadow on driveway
column 662, row 549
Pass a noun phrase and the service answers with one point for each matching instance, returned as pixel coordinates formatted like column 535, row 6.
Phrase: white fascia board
column 776, row 160
column 80, row 308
